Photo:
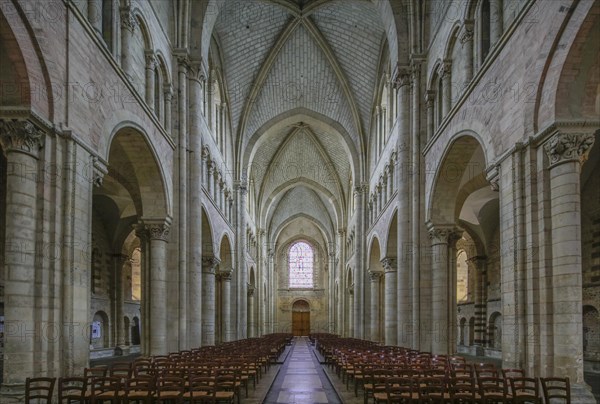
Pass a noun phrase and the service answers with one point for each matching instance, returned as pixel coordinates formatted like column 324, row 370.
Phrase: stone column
column 340, row 322
column 446, row 77
column 150, row 78
column 417, row 167
column 128, row 25
column 391, row 302
column 209, row 265
column 477, row 264
column 226, row 304
column 251, row 313
column 21, row 142
column 402, row 176
column 378, row 130
column 375, row 277
column 95, row 14
column 168, row 97
column 466, row 40
column 441, row 238
column 351, row 302
column 145, row 329
column 429, row 101
column 158, row 232
column 359, row 273
column 119, row 298
column 566, row 154
column 496, row 21
column 242, row 279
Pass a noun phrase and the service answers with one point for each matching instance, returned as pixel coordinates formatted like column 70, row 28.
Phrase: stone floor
column 301, row 379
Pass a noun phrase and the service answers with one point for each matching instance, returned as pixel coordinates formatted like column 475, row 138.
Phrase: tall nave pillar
column 21, row 142
column 443, row 289
column 566, row 154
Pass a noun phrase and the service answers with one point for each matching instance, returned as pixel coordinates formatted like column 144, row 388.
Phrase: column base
column 581, row 394
column 12, row 393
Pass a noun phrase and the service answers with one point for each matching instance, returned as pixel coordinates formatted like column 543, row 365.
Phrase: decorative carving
column 429, row 99
column 158, row 231
column 251, row 290
column 168, row 93
column 99, row 171
column 151, row 61
column 564, row 147
column 403, row 77
column 226, row 274
column 375, row 276
column 466, row 35
column 389, row 264
column 243, row 187
column 439, row 235
column 128, row 20
column 209, row 264
column 205, row 153
column 445, row 68
column 493, row 177
column 196, row 71
column 21, row 135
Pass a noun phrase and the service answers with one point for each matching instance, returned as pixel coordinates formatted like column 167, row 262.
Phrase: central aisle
column 301, row 380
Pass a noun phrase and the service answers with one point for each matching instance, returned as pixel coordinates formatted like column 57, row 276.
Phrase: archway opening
column 300, row 318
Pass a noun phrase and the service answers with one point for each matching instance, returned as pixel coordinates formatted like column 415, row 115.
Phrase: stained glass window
column 301, row 265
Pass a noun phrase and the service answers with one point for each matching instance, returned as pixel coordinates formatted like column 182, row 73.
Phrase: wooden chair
column 431, row 390
column 103, row 389
column 202, row 389
column 39, row 388
column 511, row 373
column 463, row 390
column 525, row 390
column 72, row 389
column 139, row 389
column 493, row 390
column 226, row 387
column 556, row 388
column 398, row 390
column 169, row 389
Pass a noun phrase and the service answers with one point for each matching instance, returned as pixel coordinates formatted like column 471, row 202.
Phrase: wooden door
column 300, row 323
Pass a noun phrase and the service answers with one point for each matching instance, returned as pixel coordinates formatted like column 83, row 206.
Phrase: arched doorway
column 300, row 318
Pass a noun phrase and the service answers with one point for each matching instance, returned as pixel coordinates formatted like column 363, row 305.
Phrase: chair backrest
column 462, row 387
column 399, row 388
column 511, row 373
column 141, row 385
column 39, row 388
column 98, row 371
column 431, row 388
column 492, row 386
column 556, row 388
column 107, row 386
column 71, row 388
column 170, row 384
column 524, row 386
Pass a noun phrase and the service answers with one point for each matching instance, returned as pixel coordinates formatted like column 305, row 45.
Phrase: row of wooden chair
column 430, row 378
column 206, row 374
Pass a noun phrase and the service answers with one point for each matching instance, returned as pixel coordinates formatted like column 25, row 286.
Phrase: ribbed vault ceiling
column 317, row 55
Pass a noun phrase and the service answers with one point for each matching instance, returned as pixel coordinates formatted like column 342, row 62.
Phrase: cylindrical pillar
column 477, row 264
column 209, row 265
column 95, row 14
column 168, row 97
column 391, row 301
column 566, row 153
column 466, row 40
column 375, row 277
column 446, row 77
column 251, row 313
column 150, row 78
column 119, row 298
column 429, row 99
column 21, row 142
column 226, row 305
column 496, row 21
column 158, row 233
column 402, row 176
column 128, row 25
column 242, row 278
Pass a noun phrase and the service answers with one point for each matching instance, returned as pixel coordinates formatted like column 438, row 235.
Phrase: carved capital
column 242, row 187
column 351, row 289
column 429, row 99
column 197, row 71
column 209, row 264
column 565, row 147
column 21, row 136
column 375, row 276
column 251, row 290
column 402, row 76
column 493, row 177
column 128, row 20
column 389, row 264
column 151, row 61
column 158, row 231
column 466, row 33
column 99, row 171
column 443, row 234
column 168, row 93
column 226, row 274
column 445, row 69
